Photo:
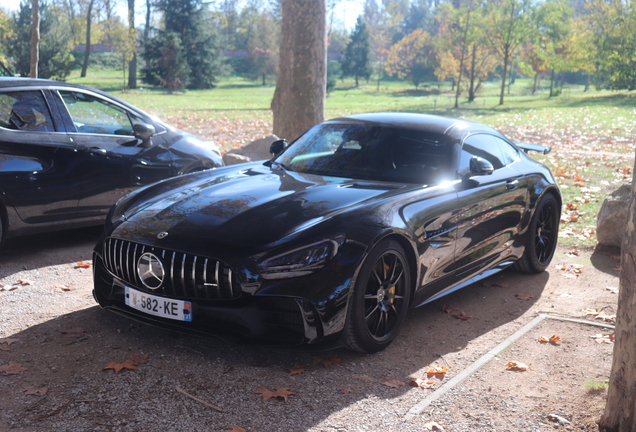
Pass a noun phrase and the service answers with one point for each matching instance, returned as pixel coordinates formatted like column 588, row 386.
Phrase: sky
column 345, row 13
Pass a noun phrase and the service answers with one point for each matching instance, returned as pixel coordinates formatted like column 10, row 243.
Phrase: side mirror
column 143, row 132
column 277, row 147
column 480, row 166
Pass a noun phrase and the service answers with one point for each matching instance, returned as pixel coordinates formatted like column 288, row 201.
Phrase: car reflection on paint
column 333, row 239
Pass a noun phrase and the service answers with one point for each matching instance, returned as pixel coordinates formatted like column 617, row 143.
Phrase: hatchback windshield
column 370, row 152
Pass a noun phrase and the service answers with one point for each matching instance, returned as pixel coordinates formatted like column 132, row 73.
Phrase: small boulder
column 256, row 150
column 611, row 220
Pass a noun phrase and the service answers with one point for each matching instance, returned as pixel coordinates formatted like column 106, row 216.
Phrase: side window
column 96, row 116
column 25, row 110
column 495, row 150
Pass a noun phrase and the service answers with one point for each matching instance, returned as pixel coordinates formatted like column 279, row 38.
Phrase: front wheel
column 380, row 299
column 542, row 237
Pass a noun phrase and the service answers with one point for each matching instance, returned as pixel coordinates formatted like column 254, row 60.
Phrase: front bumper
column 298, row 311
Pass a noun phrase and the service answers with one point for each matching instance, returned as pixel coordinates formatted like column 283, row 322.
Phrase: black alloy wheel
column 545, row 236
column 380, row 299
column 542, row 237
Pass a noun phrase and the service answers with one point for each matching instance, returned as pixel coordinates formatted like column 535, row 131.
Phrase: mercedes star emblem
column 162, row 235
column 150, row 270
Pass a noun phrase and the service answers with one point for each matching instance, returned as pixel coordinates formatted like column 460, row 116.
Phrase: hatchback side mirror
column 143, row 132
column 480, row 166
column 277, row 147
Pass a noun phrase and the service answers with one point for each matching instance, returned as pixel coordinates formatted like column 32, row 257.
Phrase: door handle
column 97, row 151
column 512, row 184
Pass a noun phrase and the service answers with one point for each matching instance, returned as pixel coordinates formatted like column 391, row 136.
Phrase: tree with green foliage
column 199, row 40
column 613, row 26
column 357, row 62
column 509, row 23
column 6, row 35
column 420, row 16
column 553, row 28
column 55, row 60
column 263, row 46
column 411, row 57
column 172, row 63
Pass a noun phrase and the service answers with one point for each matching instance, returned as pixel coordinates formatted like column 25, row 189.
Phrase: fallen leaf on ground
column 448, row 309
column 83, row 264
column 463, row 315
column 523, row 296
column 279, row 393
column 603, row 338
column 297, row 369
column 612, row 289
column 346, row 390
column 328, row 361
column 62, row 288
column 433, row 426
column 390, row 382
column 421, row 383
column 8, row 341
column 74, row 332
column 436, row 370
column 516, row 366
column 554, row 339
column 24, row 282
column 12, row 369
column 128, row 364
column 35, row 390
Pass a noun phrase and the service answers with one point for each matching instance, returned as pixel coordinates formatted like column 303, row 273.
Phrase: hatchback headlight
column 301, row 261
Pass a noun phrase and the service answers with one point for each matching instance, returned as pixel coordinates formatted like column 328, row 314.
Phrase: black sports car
column 335, row 238
column 69, row 152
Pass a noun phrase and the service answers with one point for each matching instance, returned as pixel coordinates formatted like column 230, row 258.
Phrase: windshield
column 370, row 152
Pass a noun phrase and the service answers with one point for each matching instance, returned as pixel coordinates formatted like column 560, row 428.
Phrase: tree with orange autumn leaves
column 411, row 57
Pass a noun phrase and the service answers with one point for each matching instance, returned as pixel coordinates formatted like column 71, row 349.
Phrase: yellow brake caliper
column 392, row 289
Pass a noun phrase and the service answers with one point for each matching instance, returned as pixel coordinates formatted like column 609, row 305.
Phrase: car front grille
column 185, row 275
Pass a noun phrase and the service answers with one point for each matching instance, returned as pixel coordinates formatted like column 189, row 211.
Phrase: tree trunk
column 147, row 27
column 620, row 409
column 587, row 82
column 87, row 50
column 301, row 84
column 504, row 75
column 471, row 88
column 536, row 83
column 551, row 83
column 132, row 33
column 35, row 39
column 463, row 54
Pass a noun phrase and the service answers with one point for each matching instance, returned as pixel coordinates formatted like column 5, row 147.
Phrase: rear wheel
column 542, row 237
column 380, row 299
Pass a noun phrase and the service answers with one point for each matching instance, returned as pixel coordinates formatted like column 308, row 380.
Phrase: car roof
column 40, row 82
column 454, row 128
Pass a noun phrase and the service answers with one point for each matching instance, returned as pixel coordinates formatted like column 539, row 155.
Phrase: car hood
column 250, row 205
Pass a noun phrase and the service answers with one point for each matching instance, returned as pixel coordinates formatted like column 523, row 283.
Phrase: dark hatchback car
column 334, row 239
column 69, row 152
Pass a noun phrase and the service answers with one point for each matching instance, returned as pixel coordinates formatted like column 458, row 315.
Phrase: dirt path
column 64, row 340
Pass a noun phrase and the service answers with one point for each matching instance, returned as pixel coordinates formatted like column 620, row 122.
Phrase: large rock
column 256, row 150
column 611, row 220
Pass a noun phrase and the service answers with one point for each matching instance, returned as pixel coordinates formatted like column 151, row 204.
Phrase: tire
column 542, row 237
column 380, row 299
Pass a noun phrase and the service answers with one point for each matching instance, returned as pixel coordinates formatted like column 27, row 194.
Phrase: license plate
column 159, row 306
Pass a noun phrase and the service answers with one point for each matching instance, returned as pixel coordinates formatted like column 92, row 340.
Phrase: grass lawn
column 591, row 133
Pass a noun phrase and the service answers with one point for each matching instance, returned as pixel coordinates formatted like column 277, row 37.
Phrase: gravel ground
column 65, row 341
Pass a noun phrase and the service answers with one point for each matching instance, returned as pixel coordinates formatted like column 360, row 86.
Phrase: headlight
column 301, row 261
